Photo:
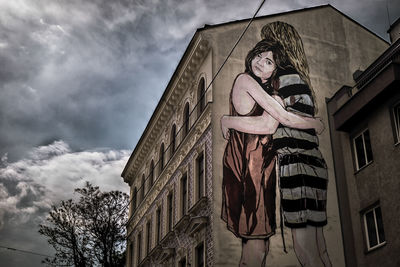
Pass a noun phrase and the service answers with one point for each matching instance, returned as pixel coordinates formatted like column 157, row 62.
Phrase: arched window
column 161, row 161
column 134, row 199
column 185, row 127
column 151, row 173
column 201, row 96
column 173, row 140
column 142, row 192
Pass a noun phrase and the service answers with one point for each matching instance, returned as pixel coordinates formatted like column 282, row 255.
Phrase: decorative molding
column 172, row 166
column 195, row 225
column 182, row 223
column 169, row 188
column 198, row 206
column 179, row 172
column 181, row 253
column 191, row 93
column 176, row 92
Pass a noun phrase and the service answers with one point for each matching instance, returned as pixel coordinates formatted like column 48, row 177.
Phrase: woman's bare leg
column 323, row 252
column 307, row 247
column 254, row 252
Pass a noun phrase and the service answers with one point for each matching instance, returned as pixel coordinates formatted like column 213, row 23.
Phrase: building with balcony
column 175, row 170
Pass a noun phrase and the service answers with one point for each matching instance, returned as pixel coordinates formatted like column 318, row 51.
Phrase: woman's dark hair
column 280, row 58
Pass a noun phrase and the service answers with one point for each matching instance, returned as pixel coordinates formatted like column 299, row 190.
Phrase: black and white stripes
column 303, row 176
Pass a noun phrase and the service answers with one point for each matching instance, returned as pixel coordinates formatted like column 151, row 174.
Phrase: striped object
column 303, row 176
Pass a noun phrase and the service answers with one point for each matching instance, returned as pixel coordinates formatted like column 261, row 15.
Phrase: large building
column 176, row 170
column 365, row 132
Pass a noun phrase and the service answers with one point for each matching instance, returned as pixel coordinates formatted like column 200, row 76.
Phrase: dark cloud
column 91, row 73
column 69, row 78
column 81, row 70
column 375, row 15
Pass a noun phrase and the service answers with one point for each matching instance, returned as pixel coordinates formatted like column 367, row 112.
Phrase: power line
column 26, row 251
column 234, row 46
column 198, row 102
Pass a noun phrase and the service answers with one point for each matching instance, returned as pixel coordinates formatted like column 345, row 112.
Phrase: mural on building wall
column 272, row 138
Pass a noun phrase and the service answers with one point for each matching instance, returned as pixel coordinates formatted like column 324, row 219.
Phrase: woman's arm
column 264, row 124
column 270, row 105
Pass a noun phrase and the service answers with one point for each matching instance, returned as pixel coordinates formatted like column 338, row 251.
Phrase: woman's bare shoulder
column 244, row 78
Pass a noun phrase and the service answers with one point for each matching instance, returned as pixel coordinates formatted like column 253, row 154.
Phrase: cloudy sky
column 79, row 81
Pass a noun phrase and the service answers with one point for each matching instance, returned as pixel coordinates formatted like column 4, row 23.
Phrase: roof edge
column 162, row 99
column 206, row 26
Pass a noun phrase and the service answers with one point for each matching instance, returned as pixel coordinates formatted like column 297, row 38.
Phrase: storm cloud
column 81, row 71
column 79, row 81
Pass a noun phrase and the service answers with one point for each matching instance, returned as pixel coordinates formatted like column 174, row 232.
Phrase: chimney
column 394, row 31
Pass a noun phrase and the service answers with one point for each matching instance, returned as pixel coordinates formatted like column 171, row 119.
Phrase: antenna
column 388, row 17
column 387, row 11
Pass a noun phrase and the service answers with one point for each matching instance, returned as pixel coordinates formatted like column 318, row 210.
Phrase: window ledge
column 155, row 251
column 182, row 223
column 363, row 167
column 167, row 237
column 202, row 202
column 381, row 245
column 161, row 254
column 196, row 224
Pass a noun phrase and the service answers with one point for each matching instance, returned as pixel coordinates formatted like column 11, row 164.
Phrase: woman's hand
column 225, row 131
column 319, row 126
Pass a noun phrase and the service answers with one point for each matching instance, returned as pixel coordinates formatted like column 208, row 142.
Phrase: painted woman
column 249, row 161
column 302, row 170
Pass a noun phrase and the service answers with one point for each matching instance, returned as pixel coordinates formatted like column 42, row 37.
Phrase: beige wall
column 335, row 47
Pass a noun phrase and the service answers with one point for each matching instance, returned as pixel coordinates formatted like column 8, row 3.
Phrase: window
column 173, row 140
column 362, row 149
column 134, row 198
column 142, row 192
column 161, row 161
column 185, row 127
column 200, row 176
column 182, row 262
column 170, row 209
column 139, row 246
column 152, row 172
column 158, row 225
column 184, row 194
column 148, row 237
column 200, row 255
column 201, row 98
column 396, row 118
column 131, row 254
column 375, row 236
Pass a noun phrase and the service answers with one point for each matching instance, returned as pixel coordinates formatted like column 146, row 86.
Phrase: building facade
column 176, row 170
column 170, row 208
column 364, row 126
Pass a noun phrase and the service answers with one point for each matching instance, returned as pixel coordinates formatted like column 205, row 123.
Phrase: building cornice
column 179, row 84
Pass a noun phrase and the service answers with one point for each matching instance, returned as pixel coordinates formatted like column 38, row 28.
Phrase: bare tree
column 89, row 232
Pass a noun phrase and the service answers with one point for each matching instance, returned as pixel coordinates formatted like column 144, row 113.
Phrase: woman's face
column 263, row 65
